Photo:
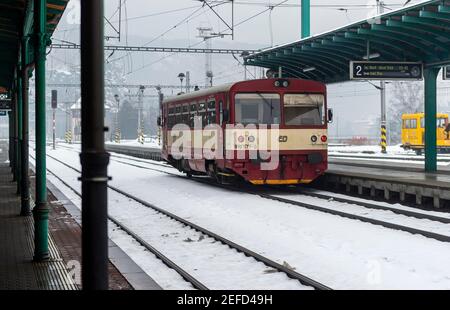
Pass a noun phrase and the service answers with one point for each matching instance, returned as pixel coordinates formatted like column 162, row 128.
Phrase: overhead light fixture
column 371, row 56
column 309, row 69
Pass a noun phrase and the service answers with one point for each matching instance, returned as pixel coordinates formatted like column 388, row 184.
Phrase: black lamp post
column 181, row 76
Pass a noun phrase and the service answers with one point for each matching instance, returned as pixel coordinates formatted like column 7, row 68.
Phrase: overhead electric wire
column 190, row 17
column 236, row 25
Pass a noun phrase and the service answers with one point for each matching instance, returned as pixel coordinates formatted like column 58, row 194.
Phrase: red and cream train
column 272, row 131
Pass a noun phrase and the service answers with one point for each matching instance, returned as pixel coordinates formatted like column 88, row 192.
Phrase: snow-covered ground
column 338, row 252
column 212, row 260
column 369, row 149
column 149, row 143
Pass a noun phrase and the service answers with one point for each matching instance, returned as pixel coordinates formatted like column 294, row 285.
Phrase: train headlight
column 324, row 139
column 313, row 139
column 281, row 83
column 241, row 139
column 251, row 139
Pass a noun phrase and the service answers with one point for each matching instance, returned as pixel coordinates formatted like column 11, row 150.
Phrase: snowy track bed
column 423, row 223
column 343, row 253
column 196, row 249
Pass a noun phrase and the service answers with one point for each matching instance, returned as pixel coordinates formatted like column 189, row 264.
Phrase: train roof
column 421, row 114
column 202, row 93
column 226, row 88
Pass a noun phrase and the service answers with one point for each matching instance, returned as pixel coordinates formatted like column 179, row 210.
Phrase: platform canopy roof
column 419, row 33
column 16, row 19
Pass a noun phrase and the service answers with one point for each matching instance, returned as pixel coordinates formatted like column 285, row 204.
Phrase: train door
column 223, row 116
column 410, row 132
column 441, row 126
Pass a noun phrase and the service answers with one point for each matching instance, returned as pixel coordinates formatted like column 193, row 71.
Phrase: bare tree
column 407, row 97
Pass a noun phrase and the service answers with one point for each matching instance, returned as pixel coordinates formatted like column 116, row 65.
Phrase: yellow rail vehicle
column 413, row 132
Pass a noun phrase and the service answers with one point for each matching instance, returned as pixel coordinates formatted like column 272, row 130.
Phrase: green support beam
column 19, row 125
column 25, row 209
column 430, row 76
column 14, row 133
column 11, row 139
column 306, row 18
column 40, row 211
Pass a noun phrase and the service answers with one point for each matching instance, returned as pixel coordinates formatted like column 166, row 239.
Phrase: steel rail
column 386, row 158
column 365, row 204
column 408, row 229
column 369, row 205
column 268, row 262
column 184, row 274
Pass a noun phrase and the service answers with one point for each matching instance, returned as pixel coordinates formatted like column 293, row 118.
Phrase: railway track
column 330, row 210
column 184, row 274
column 416, row 158
column 304, row 280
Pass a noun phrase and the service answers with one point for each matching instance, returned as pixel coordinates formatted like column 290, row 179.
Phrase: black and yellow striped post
column 117, row 135
column 68, row 137
column 383, row 117
column 159, row 135
column 383, row 139
column 141, row 136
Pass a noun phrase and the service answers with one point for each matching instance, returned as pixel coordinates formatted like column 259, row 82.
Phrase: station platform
column 63, row 270
column 401, row 182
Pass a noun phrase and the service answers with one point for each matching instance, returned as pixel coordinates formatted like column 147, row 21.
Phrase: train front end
column 278, row 131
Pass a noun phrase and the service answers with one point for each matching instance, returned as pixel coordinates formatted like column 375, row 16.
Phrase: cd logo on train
column 283, row 139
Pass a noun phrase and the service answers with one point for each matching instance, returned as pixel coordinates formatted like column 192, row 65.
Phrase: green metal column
column 430, row 75
column 306, row 18
column 14, row 132
column 40, row 211
column 25, row 209
column 19, row 126
column 10, row 146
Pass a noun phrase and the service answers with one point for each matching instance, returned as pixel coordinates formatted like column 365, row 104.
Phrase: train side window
column 211, row 112
column 212, row 117
column 177, row 114
column 407, row 123
column 192, row 114
column 202, row 113
column 422, row 122
column 185, row 116
column 170, row 118
column 202, row 106
column 441, row 122
column 413, row 124
column 220, row 112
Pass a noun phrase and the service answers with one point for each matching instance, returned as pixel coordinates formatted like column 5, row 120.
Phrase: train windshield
column 257, row 108
column 304, row 109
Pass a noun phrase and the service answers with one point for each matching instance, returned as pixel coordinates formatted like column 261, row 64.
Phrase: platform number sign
column 446, row 73
column 378, row 70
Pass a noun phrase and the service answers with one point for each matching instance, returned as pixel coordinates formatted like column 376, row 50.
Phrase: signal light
column 285, row 84
column 313, row 139
column 324, row 139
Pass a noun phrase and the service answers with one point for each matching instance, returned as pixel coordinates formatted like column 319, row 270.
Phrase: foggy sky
column 352, row 101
